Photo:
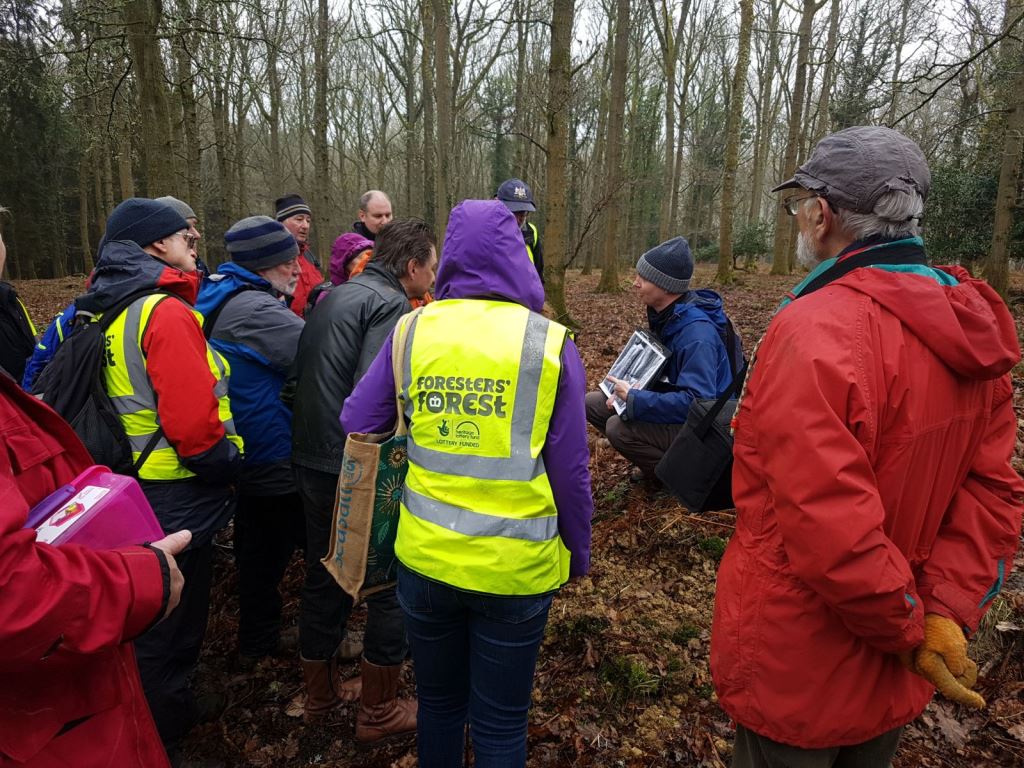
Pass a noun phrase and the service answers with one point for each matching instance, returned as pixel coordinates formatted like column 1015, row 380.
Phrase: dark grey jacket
column 342, row 337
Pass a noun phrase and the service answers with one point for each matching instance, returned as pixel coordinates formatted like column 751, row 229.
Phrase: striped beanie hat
column 259, row 242
column 290, row 205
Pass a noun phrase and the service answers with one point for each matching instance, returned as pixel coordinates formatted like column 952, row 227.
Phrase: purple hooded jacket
column 346, row 248
column 484, row 257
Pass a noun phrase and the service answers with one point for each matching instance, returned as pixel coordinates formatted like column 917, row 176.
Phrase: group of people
column 877, row 510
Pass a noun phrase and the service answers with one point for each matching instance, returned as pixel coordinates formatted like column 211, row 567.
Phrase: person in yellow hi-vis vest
column 170, row 391
column 496, row 508
column 518, row 198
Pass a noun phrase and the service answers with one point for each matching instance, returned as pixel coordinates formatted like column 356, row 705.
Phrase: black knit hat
column 143, row 221
column 259, row 242
column 669, row 265
column 290, row 205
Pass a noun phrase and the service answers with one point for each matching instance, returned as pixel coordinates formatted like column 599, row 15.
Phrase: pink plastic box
column 98, row 509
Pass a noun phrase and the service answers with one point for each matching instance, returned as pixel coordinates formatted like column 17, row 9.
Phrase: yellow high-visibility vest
column 28, row 317
column 479, row 386
column 530, row 245
column 131, row 391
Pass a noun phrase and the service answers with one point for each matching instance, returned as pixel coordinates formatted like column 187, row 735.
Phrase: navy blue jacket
column 258, row 335
column 698, row 365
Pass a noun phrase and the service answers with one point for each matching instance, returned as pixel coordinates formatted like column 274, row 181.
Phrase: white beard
column 805, row 253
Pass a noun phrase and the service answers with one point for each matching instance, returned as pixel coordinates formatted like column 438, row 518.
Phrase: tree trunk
column 783, row 229
column 124, row 161
column 445, row 118
column 559, row 94
column 897, row 67
column 823, row 122
column 427, row 75
column 190, row 122
column 321, row 159
column 142, row 19
column 519, row 124
column 996, row 266
column 617, row 104
column 83, row 212
column 732, row 143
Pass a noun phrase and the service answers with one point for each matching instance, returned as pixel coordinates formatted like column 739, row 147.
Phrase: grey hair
column 364, row 200
column 897, row 214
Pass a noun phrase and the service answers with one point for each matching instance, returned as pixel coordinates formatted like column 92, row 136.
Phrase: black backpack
column 72, row 384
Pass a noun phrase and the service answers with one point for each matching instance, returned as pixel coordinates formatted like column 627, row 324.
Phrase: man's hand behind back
column 942, row 660
column 173, row 545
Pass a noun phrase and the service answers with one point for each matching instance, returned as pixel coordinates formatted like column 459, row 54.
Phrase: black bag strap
column 733, row 391
column 105, row 321
column 734, row 388
column 211, row 319
column 864, row 259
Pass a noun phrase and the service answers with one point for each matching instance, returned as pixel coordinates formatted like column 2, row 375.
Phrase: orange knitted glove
column 942, row 660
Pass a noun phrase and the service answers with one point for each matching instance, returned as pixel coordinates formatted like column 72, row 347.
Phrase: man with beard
column 292, row 211
column 877, row 509
column 248, row 322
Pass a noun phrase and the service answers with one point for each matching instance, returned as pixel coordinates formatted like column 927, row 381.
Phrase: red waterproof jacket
column 70, row 692
column 873, row 483
column 309, row 278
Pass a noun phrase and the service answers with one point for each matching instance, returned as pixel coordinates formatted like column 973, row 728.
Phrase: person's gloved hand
column 942, row 660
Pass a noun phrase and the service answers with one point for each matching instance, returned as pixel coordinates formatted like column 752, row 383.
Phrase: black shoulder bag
column 697, row 467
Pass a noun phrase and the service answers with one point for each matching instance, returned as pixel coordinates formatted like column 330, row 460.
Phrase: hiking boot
column 381, row 713
column 210, row 705
column 351, row 647
column 287, row 647
column 321, row 696
column 178, row 760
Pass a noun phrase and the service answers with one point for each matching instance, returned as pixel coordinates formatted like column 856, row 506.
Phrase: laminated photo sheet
column 638, row 364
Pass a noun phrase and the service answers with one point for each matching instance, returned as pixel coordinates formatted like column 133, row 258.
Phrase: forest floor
column 623, row 677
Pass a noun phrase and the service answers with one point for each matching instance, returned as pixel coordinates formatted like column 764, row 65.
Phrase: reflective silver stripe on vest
column 139, row 442
column 470, row 523
column 142, row 397
column 520, row 465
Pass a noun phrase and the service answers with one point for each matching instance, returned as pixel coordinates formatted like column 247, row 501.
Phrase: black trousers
column 167, row 654
column 325, row 607
column 755, row 751
column 268, row 529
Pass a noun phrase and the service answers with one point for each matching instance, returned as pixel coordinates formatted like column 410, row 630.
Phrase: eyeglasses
column 190, row 240
column 792, row 203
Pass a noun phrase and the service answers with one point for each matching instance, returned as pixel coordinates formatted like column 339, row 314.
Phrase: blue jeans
column 475, row 657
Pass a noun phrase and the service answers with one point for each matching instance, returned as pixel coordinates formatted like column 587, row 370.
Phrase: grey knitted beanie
column 669, row 265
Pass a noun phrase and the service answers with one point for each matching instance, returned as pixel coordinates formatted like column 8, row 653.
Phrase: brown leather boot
column 321, row 689
column 381, row 713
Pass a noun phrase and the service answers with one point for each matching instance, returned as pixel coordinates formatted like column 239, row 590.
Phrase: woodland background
column 633, row 120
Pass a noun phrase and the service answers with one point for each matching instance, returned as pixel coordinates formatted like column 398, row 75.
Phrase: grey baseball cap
column 854, row 167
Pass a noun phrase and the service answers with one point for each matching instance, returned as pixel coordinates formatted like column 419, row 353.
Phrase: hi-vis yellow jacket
column 479, row 385
column 130, row 389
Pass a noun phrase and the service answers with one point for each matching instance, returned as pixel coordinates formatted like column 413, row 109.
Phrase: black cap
column 516, row 195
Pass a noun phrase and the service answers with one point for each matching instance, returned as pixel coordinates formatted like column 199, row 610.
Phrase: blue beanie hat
column 144, row 221
column 669, row 265
column 259, row 242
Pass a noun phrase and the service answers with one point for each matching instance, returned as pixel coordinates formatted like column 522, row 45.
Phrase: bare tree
column 732, row 143
column 610, row 269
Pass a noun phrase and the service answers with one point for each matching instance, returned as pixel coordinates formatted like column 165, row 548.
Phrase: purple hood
column 346, row 248
column 484, row 256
